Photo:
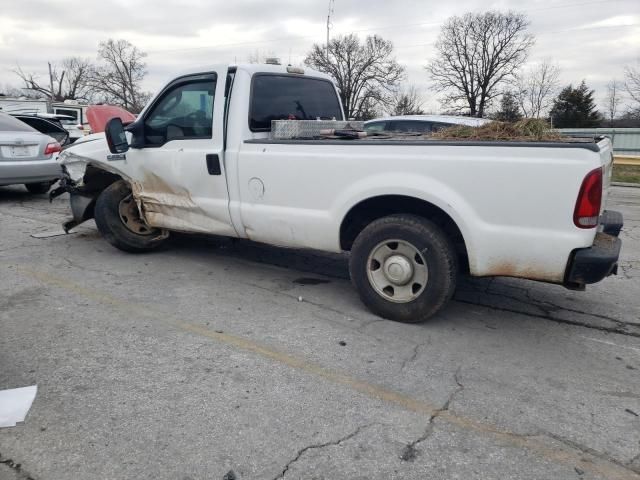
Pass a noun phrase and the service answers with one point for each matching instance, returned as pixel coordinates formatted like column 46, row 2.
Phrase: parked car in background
column 75, row 120
column 72, row 114
column 47, row 123
column 420, row 123
column 27, row 156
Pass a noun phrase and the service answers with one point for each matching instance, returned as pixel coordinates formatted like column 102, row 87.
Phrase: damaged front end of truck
column 84, row 177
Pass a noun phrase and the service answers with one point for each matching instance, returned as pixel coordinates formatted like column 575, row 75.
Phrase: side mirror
column 116, row 139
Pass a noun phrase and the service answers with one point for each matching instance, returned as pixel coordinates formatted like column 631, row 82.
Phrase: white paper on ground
column 15, row 404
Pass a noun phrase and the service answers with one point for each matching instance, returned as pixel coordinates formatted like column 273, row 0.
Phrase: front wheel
column 118, row 220
column 404, row 268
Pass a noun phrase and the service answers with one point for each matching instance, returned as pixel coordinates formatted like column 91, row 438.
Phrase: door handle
column 213, row 164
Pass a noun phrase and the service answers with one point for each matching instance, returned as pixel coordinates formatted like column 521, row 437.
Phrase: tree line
column 477, row 69
column 116, row 78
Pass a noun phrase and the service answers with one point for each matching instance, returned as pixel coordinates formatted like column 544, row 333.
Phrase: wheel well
column 374, row 208
column 96, row 179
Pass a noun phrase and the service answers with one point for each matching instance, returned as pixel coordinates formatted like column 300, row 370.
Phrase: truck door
column 178, row 176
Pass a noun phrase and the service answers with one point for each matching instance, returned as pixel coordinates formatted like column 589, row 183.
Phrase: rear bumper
column 590, row 265
column 29, row 171
column 611, row 222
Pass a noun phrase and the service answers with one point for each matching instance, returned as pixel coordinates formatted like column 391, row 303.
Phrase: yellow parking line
column 368, row 389
column 572, row 457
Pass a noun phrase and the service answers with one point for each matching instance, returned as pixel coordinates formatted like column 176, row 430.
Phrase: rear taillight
column 589, row 200
column 52, row 148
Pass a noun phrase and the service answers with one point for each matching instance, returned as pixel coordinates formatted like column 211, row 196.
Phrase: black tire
column 113, row 228
column 38, row 188
column 436, row 251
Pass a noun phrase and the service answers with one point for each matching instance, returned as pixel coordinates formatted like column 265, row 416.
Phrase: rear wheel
column 404, row 268
column 118, row 220
column 38, row 188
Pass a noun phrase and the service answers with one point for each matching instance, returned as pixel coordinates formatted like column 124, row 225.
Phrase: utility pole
column 331, row 5
column 50, row 81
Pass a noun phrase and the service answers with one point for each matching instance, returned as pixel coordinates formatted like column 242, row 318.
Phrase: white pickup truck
column 413, row 214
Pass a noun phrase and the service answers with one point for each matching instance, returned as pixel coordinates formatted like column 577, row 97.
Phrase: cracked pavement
column 201, row 359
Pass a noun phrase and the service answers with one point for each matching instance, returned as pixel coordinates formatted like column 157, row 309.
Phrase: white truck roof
column 253, row 68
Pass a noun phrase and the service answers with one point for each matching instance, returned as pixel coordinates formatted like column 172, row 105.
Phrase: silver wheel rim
column 397, row 271
column 130, row 216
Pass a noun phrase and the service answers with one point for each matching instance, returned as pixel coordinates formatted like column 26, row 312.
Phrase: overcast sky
column 591, row 40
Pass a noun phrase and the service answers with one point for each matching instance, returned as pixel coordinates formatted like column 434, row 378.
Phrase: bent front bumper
column 82, row 202
column 590, row 265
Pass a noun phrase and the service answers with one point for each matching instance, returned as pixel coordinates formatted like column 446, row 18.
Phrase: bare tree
column 366, row 73
column 118, row 77
column 536, row 88
column 78, row 71
column 70, row 80
column 33, row 84
column 632, row 85
column 407, row 102
column 8, row 90
column 476, row 53
column 370, row 109
column 612, row 100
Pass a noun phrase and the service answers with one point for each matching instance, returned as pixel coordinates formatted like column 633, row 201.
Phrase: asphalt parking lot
column 214, row 359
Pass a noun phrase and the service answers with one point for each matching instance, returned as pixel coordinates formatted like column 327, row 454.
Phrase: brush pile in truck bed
column 527, row 130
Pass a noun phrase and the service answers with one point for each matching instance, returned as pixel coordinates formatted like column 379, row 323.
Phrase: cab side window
column 185, row 111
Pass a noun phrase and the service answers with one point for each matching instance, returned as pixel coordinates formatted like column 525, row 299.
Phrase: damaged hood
column 92, row 151
column 99, row 115
column 88, row 138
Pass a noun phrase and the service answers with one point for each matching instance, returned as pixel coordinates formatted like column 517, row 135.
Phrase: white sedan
column 420, row 123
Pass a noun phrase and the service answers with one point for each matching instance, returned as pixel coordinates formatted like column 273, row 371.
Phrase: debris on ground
column 15, row 403
column 230, row 475
column 49, row 234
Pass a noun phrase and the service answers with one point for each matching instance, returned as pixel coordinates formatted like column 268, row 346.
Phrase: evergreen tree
column 509, row 109
column 575, row 108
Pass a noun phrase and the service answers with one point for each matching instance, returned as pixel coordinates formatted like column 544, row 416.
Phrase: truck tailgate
column 606, row 160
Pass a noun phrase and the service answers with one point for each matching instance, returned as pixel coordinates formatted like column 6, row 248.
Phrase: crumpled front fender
column 84, row 179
